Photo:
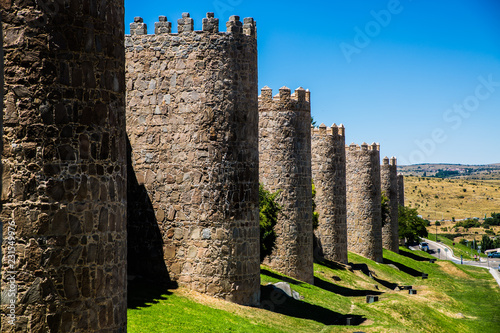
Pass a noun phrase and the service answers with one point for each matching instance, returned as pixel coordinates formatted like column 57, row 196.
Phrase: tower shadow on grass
column 144, row 293
column 276, row 301
column 408, row 270
column 279, row 277
column 412, row 255
column 343, row 291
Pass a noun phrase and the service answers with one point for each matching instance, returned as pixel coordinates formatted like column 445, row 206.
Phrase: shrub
column 268, row 216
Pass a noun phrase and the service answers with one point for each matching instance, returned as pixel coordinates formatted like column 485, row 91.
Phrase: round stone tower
column 389, row 188
column 364, row 229
column 63, row 167
column 285, row 165
column 329, row 175
column 192, row 121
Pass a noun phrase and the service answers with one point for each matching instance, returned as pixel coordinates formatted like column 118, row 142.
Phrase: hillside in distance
column 461, row 197
column 442, row 170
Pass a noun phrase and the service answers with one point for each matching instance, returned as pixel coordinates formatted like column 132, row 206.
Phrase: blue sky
column 420, row 77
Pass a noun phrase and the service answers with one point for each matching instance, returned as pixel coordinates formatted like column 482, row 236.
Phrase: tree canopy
column 411, row 226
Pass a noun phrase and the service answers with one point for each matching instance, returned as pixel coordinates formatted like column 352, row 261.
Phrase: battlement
column 333, row 130
column 299, row 100
column 364, row 147
column 185, row 25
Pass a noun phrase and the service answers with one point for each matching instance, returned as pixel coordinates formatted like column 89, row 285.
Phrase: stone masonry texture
column 329, row 175
column 192, row 122
column 401, row 190
column 389, row 188
column 285, row 165
column 364, row 229
column 63, row 166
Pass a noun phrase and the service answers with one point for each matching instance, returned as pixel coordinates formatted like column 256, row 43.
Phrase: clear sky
column 421, row 77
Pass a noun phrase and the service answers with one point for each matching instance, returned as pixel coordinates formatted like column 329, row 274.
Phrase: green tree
column 411, row 227
column 487, row 243
column 315, row 214
column 385, row 210
column 268, row 216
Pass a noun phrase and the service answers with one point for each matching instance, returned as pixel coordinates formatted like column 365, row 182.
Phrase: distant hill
column 465, row 197
column 489, row 171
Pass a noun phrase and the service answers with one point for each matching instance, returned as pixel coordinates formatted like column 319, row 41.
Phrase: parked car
column 494, row 255
column 424, row 246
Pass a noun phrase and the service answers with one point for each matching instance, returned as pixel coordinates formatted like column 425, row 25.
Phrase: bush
column 438, row 223
column 411, row 227
column 315, row 214
column 268, row 216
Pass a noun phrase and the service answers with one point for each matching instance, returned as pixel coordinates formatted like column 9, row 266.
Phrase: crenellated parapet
column 364, row 222
column 389, row 188
column 328, row 163
column 285, row 165
column 299, row 100
column 322, row 130
column 185, row 25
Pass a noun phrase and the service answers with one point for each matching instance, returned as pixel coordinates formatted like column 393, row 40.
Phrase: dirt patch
column 449, row 268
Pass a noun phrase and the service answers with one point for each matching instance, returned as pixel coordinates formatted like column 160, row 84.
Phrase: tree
column 487, row 243
column 313, row 122
column 268, row 216
column 411, row 227
column 315, row 214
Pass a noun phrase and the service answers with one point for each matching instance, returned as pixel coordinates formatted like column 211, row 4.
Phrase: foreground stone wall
column 329, row 174
column 63, row 167
column 285, row 165
column 192, row 122
column 389, row 188
column 364, row 230
column 401, row 190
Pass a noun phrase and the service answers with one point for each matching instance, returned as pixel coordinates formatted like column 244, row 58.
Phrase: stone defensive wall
column 63, row 167
column 192, row 122
column 328, row 163
column 389, row 188
column 364, row 229
column 285, row 165
column 401, row 190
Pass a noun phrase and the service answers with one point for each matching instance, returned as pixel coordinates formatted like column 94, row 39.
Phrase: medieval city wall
column 63, row 167
column 192, row 122
column 328, row 163
column 364, row 229
column 285, row 166
column 389, row 188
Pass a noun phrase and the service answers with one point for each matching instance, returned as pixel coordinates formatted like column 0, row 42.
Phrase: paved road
column 446, row 253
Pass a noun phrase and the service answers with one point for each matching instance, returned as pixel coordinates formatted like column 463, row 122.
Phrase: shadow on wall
column 289, row 306
column 145, row 262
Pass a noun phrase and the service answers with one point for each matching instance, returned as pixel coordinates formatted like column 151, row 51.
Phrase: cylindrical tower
column 401, row 190
column 364, row 229
column 285, row 165
column 329, row 175
column 192, row 121
column 63, row 167
column 389, row 188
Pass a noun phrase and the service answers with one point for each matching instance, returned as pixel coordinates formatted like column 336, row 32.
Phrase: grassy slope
column 338, row 293
column 437, row 198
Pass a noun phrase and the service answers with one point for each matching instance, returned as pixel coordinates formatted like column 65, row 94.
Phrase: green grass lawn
column 453, row 299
